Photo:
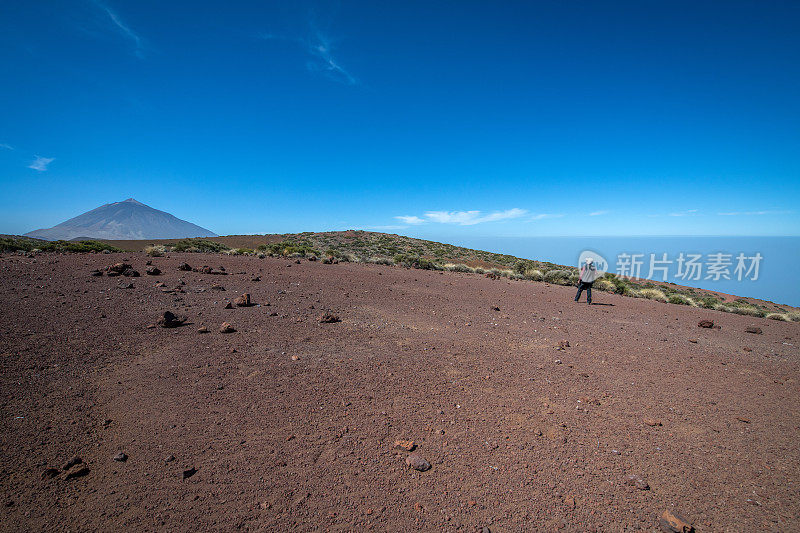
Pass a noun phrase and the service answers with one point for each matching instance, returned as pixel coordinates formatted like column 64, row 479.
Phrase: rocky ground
column 533, row 412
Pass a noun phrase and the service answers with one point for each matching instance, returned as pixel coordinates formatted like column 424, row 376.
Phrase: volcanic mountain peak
column 129, row 219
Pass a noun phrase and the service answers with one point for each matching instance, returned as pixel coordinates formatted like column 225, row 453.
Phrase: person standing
column 588, row 275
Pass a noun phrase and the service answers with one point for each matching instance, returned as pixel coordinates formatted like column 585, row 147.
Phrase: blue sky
column 433, row 119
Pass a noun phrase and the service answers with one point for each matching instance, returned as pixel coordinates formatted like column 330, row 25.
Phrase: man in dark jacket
column 588, row 275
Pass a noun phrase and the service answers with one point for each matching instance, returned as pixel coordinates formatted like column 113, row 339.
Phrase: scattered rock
column 131, row 273
column 77, row 473
column 228, row 306
column 72, row 462
column 562, row 345
column 125, row 285
column 743, row 419
column 226, row 328
column 217, row 288
column 652, row 422
column 407, row 445
column 205, row 269
column 705, row 324
column 417, row 462
column 636, row 481
column 257, row 278
column 674, row 523
column 169, row 320
column 189, row 473
column 495, row 308
column 119, row 268
column 295, row 358
column 184, row 267
column 169, row 458
column 693, row 341
column 243, row 300
column 329, row 318
column 161, row 284
column 202, row 329
column 152, row 271
column 96, row 272
column 746, row 349
column 121, row 457
column 49, row 473
column 754, row 330
column 330, row 260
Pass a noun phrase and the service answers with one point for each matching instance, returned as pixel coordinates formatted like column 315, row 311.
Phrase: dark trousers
column 581, row 286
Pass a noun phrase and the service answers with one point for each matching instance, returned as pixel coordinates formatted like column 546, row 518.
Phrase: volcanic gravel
column 534, row 413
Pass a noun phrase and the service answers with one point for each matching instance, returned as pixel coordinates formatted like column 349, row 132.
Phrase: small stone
column 151, row 326
column 705, row 324
column 202, row 329
column 170, row 320
column 652, row 422
column 243, row 300
column 295, row 358
column 693, row 341
column 184, row 267
column 743, row 419
column 121, row 457
column 407, row 445
column 49, row 473
column 152, row 271
column 169, row 458
column 329, row 318
column 189, row 473
column 754, row 330
column 746, row 349
column 72, row 462
column 495, row 308
column 77, row 473
column 636, row 481
column 257, row 278
column 228, row 306
column 217, row 288
column 563, row 345
column 417, row 462
column 674, row 523
column 226, row 328
column 161, row 284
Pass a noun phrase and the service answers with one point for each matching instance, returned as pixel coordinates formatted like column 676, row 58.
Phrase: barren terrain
column 290, row 423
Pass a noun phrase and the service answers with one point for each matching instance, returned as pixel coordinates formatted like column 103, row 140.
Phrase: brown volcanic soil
column 306, row 442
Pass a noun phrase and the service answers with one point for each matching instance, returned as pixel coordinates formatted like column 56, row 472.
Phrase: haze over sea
column 776, row 280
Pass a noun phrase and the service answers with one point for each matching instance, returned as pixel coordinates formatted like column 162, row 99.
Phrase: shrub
column 741, row 310
column 651, row 294
column 379, row 261
column 558, row 277
column 534, row 274
column 458, row 268
column 707, row 302
column 680, row 299
column 794, row 316
column 779, row 316
column 199, row 245
column 604, row 284
column 155, row 250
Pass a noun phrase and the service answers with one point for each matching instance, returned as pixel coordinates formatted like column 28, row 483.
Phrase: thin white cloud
column 6, row 146
column 320, row 47
column 542, row 216
column 40, row 163
column 124, row 30
column 599, row 213
column 410, row 219
column 686, row 213
column 462, row 218
column 756, row 213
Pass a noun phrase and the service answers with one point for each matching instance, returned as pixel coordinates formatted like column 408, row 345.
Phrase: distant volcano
column 128, row 220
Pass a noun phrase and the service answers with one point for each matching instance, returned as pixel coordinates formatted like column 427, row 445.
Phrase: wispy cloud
column 40, row 163
column 751, row 213
column 686, row 213
column 462, row 218
column 5, row 146
column 124, row 30
column 320, row 47
column 542, row 216
column 599, row 213
column 411, row 219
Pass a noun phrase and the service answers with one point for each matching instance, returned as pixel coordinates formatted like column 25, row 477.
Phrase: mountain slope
column 123, row 220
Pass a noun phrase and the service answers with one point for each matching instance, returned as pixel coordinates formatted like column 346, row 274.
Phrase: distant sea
column 778, row 280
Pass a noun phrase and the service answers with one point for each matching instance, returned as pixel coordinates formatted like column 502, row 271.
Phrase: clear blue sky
column 461, row 118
